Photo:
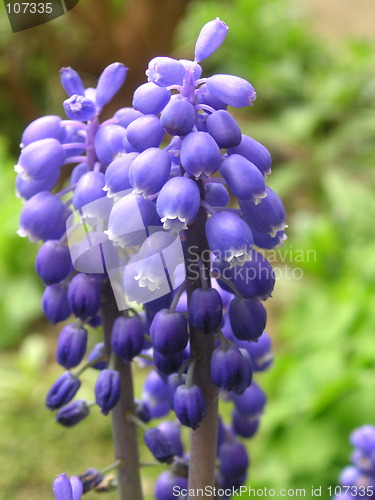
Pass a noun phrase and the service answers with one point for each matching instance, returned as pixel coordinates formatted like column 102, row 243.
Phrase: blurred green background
column 312, row 64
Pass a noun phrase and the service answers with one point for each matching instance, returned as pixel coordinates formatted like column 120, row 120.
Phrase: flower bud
column 216, row 194
column 71, row 346
column 231, row 369
column 79, row 107
column 224, row 129
column 165, row 71
column 178, row 203
column 167, row 483
column 204, row 96
column 46, row 127
column 142, row 410
column 231, row 90
column 107, row 390
column 150, row 171
column 243, row 425
column 364, row 438
column 77, row 172
column 174, row 380
column 53, row 262
column 244, row 179
column 71, row 82
column 205, row 309
column 168, row 364
column 178, row 117
column 189, row 405
column 40, row 159
column 255, row 152
column 169, row 332
column 155, row 394
column 98, row 351
column 127, row 337
column 40, row 216
column 90, row 479
column 67, row 489
column 266, row 217
column 109, row 83
column 145, row 132
column 109, row 142
column 89, row 188
column 117, row 174
column 73, row 413
column 229, row 238
column 247, row 318
column 211, row 36
column 124, row 116
column 150, row 99
column 172, row 430
column 55, row 304
column 252, row 402
column 160, row 445
column 62, row 391
column 84, row 295
column 234, row 460
column 200, row 155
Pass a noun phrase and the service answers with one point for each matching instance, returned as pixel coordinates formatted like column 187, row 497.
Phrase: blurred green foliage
column 315, row 112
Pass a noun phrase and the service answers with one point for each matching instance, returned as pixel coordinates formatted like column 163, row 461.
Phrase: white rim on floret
column 276, row 229
column 237, row 257
column 175, row 223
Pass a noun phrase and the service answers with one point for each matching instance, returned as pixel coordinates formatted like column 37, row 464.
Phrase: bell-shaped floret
column 266, row 241
column 234, row 459
column 55, row 304
column 117, row 174
column 204, row 96
column 53, row 262
column 216, row 194
column 261, row 353
column 165, row 71
column 248, row 318
column 169, row 332
column 160, row 445
column 189, row 405
column 109, row 83
column 230, row 368
column 200, row 155
column 107, row 390
column 252, row 402
column 109, row 142
column 88, row 189
column 72, row 413
column 145, row 132
column 174, row 381
column 84, row 295
column 255, row 152
column 243, row 178
column 211, row 36
column 124, row 116
column 27, row 188
column 62, row 391
column 150, row 99
column 40, row 159
column 224, row 129
column 167, row 364
column 229, row 238
column 266, row 217
column 71, row 82
column 71, row 346
column 150, row 171
column 46, row 127
column 98, row 351
column 178, row 117
column 79, row 107
column 127, row 338
column 205, row 309
column 231, row 90
column 178, row 203
column 167, row 484
column 155, row 394
column 244, row 426
column 173, row 432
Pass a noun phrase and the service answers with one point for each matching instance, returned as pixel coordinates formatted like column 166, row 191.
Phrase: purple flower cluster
column 177, row 152
column 358, row 479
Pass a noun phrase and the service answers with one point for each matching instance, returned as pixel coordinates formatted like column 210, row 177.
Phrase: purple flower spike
column 71, row 346
column 169, row 332
column 40, row 159
column 211, row 36
column 46, row 127
column 267, row 217
column 243, row 178
column 73, row 413
column 109, row 83
column 229, row 238
column 247, row 318
column 178, row 117
column 127, row 337
column 200, row 155
column 189, row 405
column 40, row 216
column 145, row 132
column 107, row 390
column 178, row 203
column 254, row 152
column 62, row 391
column 231, row 90
column 150, row 171
column 79, row 107
column 231, row 369
column 53, row 262
column 160, row 445
column 150, row 99
column 71, row 82
column 165, row 71
column 205, row 309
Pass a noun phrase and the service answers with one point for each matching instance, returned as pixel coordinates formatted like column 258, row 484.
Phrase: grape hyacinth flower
column 141, row 241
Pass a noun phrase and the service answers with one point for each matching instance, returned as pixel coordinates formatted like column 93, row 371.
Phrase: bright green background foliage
column 315, row 112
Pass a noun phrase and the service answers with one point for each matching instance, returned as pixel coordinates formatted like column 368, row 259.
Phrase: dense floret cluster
column 358, row 479
column 139, row 181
